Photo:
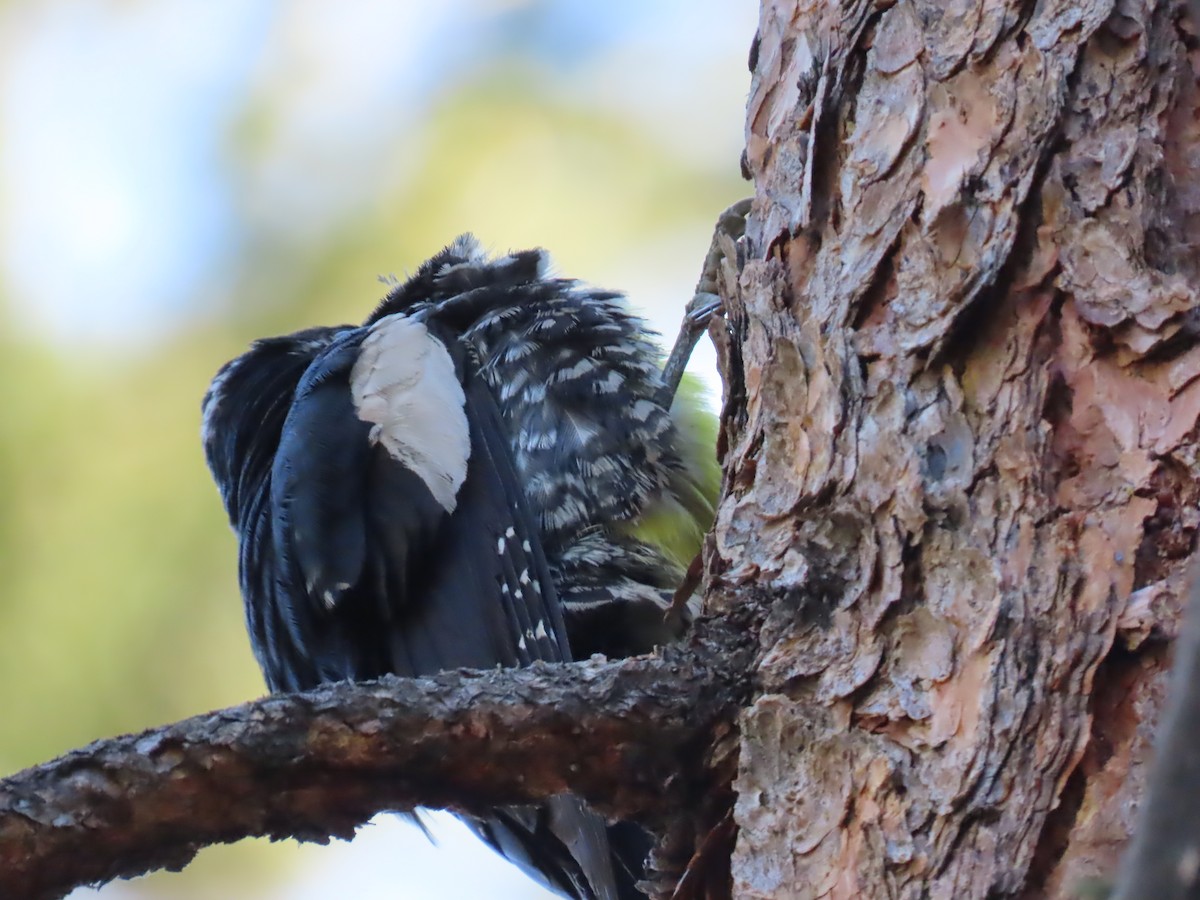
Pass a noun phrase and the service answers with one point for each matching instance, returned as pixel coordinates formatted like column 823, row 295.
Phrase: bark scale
column 960, row 437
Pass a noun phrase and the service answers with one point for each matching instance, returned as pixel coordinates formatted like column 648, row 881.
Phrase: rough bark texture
column 960, row 437
column 647, row 739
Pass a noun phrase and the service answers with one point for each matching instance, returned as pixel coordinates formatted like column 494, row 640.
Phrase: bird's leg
column 705, row 302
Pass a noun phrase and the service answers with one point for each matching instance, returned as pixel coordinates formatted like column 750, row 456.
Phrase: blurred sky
column 180, row 176
column 121, row 211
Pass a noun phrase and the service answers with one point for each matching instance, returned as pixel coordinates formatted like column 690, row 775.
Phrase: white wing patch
column 405, row 385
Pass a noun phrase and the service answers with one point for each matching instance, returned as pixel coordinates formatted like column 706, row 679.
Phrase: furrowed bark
column 961, row 442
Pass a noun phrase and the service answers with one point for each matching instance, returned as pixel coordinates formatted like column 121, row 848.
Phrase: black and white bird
column 459, row 482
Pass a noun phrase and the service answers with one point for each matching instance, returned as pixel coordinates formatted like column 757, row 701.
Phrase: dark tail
column 567, row 848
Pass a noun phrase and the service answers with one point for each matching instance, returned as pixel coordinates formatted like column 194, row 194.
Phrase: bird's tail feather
column 566, row 847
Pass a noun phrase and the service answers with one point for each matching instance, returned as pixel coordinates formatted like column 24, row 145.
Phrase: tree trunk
column 959, row 437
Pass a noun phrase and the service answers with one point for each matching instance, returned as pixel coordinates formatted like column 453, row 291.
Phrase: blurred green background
column 178, row 178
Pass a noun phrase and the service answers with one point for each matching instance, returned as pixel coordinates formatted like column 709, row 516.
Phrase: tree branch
column 635, row 738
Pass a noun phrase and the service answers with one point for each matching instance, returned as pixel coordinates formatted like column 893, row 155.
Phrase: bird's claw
column 706, row 301
column 700, row 310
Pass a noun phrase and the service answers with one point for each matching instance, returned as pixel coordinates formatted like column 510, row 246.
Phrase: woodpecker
column 459, row 482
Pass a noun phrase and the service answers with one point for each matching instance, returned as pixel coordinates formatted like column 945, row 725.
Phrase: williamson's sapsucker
column 459, row 482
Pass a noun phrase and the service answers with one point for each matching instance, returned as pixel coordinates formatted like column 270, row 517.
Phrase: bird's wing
column 383, row 528
column 400, row 531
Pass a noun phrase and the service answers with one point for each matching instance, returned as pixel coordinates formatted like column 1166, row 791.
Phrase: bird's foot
column 705, row 302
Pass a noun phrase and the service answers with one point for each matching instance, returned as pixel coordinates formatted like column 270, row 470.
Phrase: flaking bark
column 961, row 445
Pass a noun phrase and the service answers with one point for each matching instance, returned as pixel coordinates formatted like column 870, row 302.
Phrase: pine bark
column 960, row 438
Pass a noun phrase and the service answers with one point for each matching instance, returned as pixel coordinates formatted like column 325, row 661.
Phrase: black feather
column 351, row 567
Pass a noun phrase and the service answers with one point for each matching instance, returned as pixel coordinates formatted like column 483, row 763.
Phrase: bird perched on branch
column 459, row 482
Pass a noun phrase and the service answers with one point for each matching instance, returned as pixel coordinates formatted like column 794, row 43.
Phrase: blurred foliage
column 119, row 606
column 678, row 527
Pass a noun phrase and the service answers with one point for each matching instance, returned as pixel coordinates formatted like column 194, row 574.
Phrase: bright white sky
column 117, row 214
column 388, row 860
